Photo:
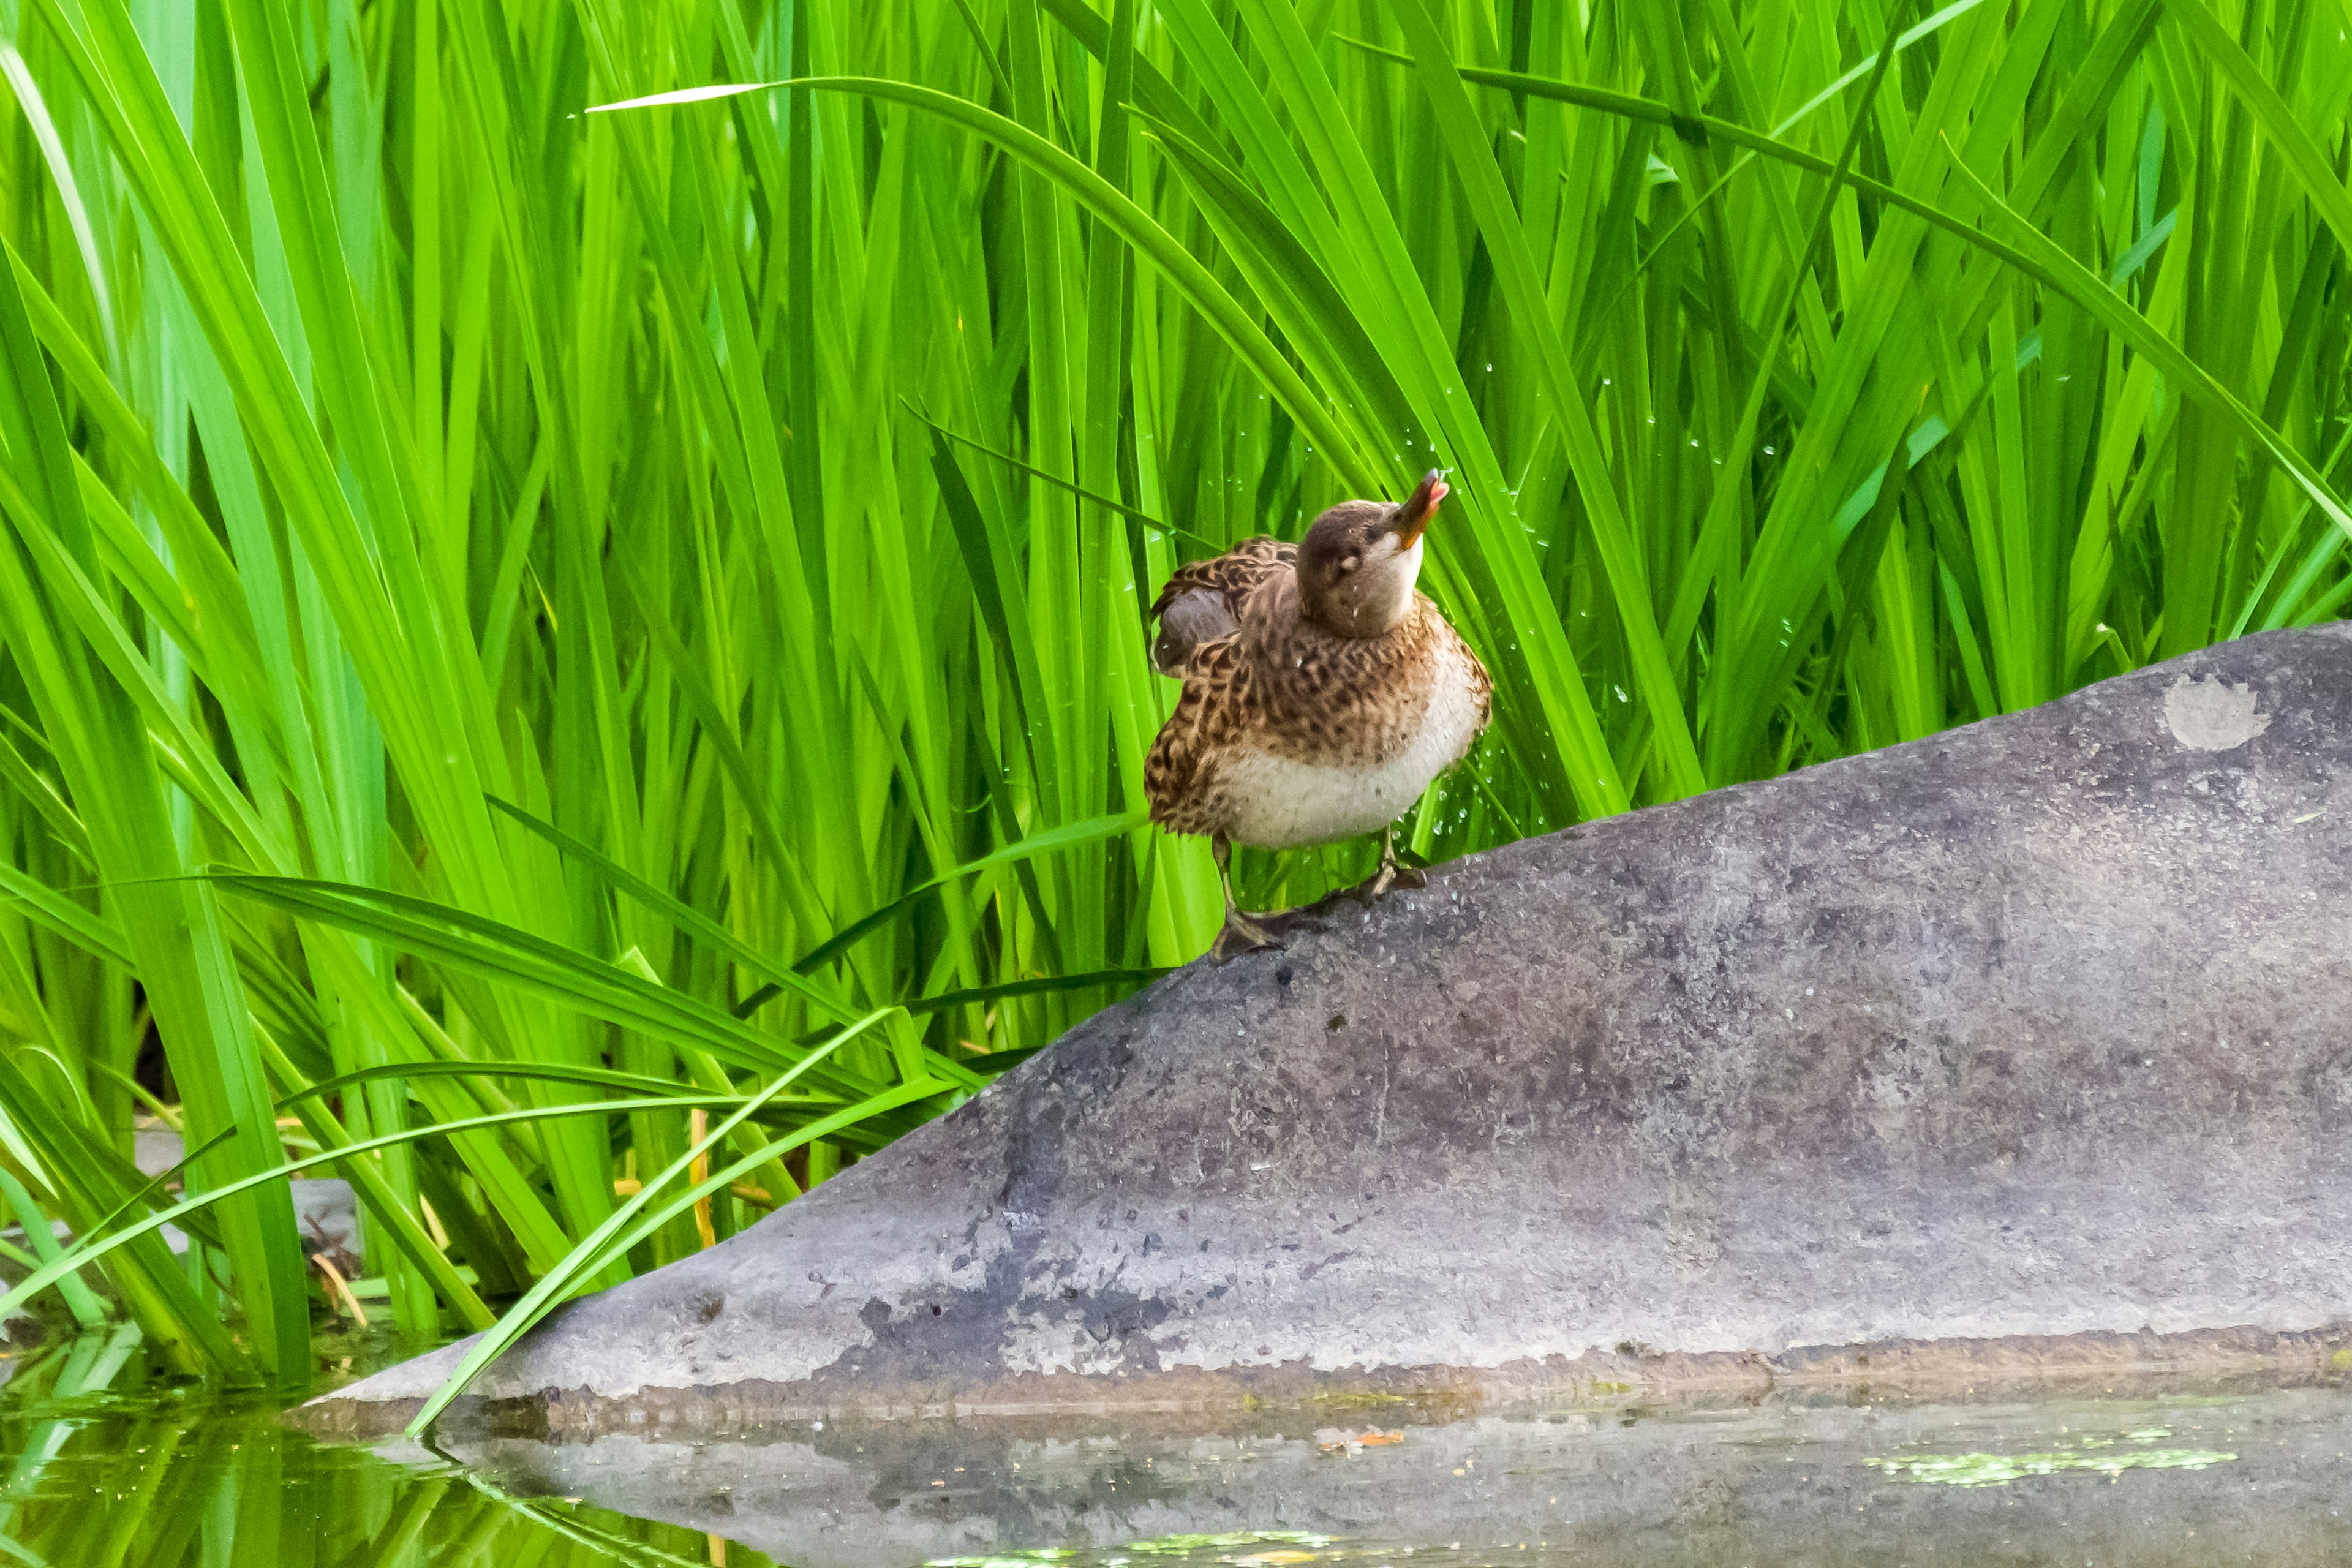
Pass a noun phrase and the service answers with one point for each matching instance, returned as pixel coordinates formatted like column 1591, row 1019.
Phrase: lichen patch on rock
column 2212, row 716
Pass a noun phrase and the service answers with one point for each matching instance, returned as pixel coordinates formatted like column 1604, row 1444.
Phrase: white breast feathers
column 1277, row 804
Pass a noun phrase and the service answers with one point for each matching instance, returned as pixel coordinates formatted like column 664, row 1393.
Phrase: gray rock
column 326, row 1210
column 156, row 1148
column 2024, row 1043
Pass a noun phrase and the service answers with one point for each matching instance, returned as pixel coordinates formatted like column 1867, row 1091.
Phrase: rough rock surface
column 2032, row 1029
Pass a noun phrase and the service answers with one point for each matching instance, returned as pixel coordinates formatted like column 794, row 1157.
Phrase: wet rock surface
column 2029, row 1030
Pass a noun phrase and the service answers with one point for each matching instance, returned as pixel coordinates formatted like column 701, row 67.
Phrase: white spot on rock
column 2210, row 715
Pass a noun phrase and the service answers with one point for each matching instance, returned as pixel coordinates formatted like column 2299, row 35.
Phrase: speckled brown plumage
column 1284, row 686
column 1234, row 575
column 1322, row 693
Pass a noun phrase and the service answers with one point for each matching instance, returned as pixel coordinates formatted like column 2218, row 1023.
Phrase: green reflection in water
column 1224, row 1541
column 1182, row 1545
column 1288, row 1547
column 108, row 1464
column 1999, row 1469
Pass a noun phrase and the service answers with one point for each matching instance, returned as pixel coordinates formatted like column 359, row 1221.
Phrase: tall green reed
column 510, row 609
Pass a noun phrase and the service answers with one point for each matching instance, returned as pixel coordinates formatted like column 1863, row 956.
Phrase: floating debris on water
column 1999, row 1469
column 1335, row 1439
column 1179, row 1545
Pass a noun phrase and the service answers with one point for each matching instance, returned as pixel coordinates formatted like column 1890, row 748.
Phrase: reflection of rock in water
column 1772, row 1484
column 2029, row 1029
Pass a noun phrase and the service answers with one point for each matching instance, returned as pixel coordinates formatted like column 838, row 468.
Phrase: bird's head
column 1358, row 563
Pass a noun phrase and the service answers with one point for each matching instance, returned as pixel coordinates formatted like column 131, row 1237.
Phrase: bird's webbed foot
column 1241, row 934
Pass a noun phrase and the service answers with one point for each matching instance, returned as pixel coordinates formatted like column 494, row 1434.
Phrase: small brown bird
column 1321, row 692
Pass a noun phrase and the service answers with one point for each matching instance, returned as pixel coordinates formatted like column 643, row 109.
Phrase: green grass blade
column 588, row 1258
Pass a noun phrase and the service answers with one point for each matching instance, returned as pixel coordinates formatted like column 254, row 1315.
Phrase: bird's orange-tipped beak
column 1420, row 506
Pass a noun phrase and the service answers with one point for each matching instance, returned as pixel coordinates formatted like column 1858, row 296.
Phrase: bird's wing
column 1203, row 600
column 1179, row 775
column 1482, row 683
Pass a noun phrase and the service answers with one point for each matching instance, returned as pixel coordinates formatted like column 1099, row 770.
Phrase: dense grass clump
column 600, row 655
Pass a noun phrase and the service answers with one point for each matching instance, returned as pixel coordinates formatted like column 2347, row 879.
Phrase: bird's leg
column 1241, row 933
column 1402, row 876
column 1391, row 874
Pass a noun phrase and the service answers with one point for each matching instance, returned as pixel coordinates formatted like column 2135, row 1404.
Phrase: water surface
column 110, row 1463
